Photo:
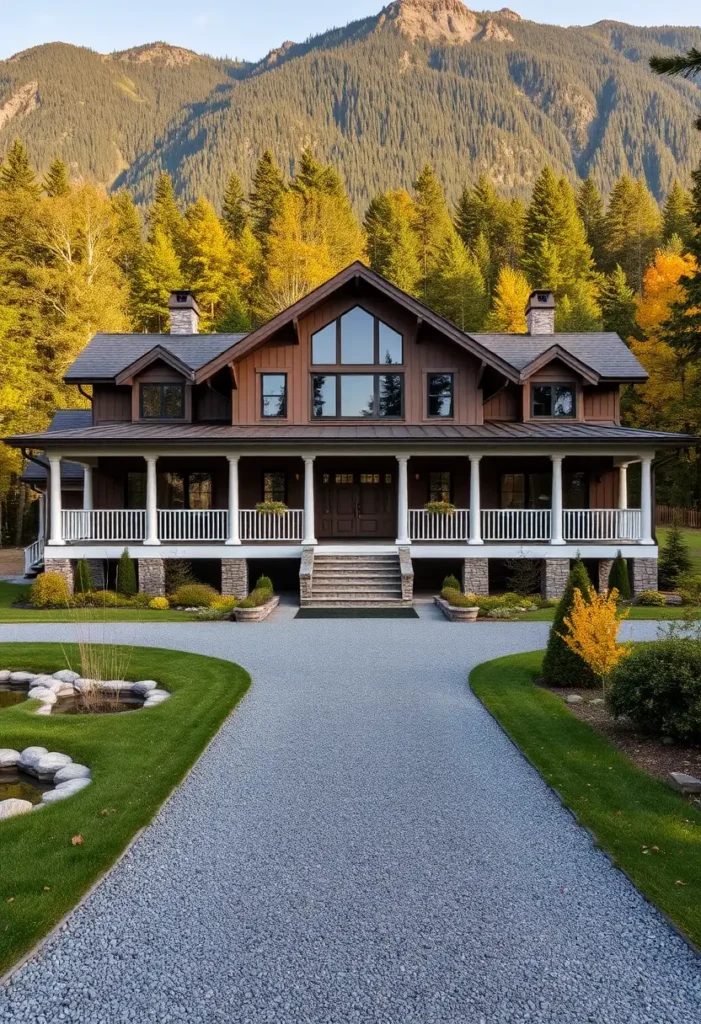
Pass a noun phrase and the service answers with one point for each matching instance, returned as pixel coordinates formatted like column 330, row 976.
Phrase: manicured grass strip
column 136, row 757
column 636, row 611
column 650, row 832
column 10, row 592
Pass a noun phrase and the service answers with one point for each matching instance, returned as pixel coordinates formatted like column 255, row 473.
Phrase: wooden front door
column 359, row 505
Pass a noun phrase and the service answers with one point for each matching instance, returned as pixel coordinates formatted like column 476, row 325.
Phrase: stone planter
column 256, row 614
column 454, row 614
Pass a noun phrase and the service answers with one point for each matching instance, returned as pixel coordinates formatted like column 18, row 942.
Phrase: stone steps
column 355, row 581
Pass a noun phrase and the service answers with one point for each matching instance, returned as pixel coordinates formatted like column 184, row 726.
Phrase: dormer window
column 357, row 339
column 162, row 401
column 553, row 400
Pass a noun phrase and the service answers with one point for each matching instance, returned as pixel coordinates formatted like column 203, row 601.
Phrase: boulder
column 30, row 755
column 115, row 686
column 22, row 677
column 12, row 807
column 48, row 764
column 71, row 771
column 45, row 709
column 574, row 698
column 44, row 680
column 144, row 686
column 9, row 758
column 64, row 790
column 163, row 694
column 683, row 783
column 152, row 702
column 66, row 675
column 64, row 690
column 42, row 693
column 4, row 675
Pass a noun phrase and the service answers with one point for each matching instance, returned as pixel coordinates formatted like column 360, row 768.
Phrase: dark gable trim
column 147, row 359
column 556, row 352
column 356, row 271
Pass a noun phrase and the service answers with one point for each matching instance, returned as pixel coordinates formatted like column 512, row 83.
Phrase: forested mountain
column 423, row 80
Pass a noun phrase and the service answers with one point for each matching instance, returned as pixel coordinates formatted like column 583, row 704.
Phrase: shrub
column 457, row 599
column 674, row 559
column 501, row 613
column 159, row 604
column 126, row 574
column 523, row 575
column 592, row 631
column 194, row 595
column 256, row 598
column 225, row 604
column 178, row 574
column 264, row 583
column 139, row 600
column 210, row 614
column 276, row 508
column 659, row 687
column 652, row 599
column 451, row 583
column 49, row 590
column 82, row 582
column 690, row 587
column 441, row 508
column 618, row 578
column 104, row 599
column 561, row 666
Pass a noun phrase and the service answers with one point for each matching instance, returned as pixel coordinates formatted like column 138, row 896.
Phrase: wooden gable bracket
column 556, row 352
column 497, row 391
column 156, row 354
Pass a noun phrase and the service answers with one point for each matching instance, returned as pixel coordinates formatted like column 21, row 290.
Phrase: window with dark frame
column 273, row 395
column 162, row 401
column 440, row 394
column 357, row 338
column 358, row 395
column 439, row 486
column 553, row 400
column 136, row 490
column 274, row 486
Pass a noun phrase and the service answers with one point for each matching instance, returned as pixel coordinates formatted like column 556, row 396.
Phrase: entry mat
column 356, row 613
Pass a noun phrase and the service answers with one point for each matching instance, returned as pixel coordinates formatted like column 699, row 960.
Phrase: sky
column 249, row 30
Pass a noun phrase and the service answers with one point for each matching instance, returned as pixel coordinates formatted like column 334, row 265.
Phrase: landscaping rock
column 574, row 698
column 71, row 771
column 159, row 693
column 45, row 709
column 152, row 701
column 65, row 690
column 30, row 756
column 9, row 758
column 674, row 600
column 116, row 686
column 44, row 680
column 66, row 675
column 22, row 677
column 597, row 701
column 47, row 765
column 64, row 790
column 683, row 783
column 4, row 675
column 144, row 686
column 42, row 693
column 668, row 741
column 12, row 807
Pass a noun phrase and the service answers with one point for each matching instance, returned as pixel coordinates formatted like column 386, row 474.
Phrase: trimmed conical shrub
column 618, row 578
column 82, row 582
column 126, row 574
column 561, row 666
column 674, row 559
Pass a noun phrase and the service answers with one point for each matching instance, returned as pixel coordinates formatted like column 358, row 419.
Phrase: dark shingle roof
column 604, row 353
column 71, row 472
column 106, row 355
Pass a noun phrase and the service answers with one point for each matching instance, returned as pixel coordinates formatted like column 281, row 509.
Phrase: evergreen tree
column 481, row 211
column 392, row 242
column 590, row 207
column 562, row 666
column 682, row 331
column 266, row 196
column 508, row 313
column 327, row 212
column 56, row 181
column 555, row 247
column 234, row 214
column 677, row 216
column 16, row 174
column 207, row 260
column 578, row 310
column 633, row 229
column 618, row 578
column 158, row 274
column 164, row 214
column 618, row 305
column 82, row 583
column 126, row 574
column 457, row 287
column 675, row 559
column 432, row 223
column 128, row 243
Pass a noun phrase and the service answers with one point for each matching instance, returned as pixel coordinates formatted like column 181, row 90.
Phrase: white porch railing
column 254, row 525
column 507, row 524
column 425, row 525
column 33, row 555
column 105, row 524
column 602, row 524
column 192, row 524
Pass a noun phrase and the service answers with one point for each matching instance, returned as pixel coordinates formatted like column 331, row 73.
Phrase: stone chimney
column 184, row 313
column 540, row 313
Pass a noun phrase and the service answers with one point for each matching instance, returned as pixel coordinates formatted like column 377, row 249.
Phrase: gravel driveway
column 361, row 843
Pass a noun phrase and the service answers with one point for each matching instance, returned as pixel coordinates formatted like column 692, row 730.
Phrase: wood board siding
column 602, row 405
column 111, row 404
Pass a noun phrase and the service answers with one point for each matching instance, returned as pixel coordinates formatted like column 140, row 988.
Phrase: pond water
column 18, row 785
column 78, row 706
column 10, row 697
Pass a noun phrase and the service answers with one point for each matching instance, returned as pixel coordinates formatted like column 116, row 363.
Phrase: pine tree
column 677, row 216
column 675, row 559
column 207, row 260
column 561, row 666
column 267, row 191
column 126, row 574
column 158, row 274
column 128, row 243
column 618, row 305
column 481, row 211
column 56, row 181
column 618, row 578
column 234, row 216
column 457, row 287
column 683, row 328
column 432, row 223
column 633, row 229
column 327, row 212
column 508, row 313
column 578, row 310
column 82, row 583
column 392, row 243
column 164, row 214
column 590, row 207
column 555, row 247
column 16, row 174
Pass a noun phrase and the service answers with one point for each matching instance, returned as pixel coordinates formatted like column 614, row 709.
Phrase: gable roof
column 108, row 355
column 604, row 353
column 158, row 354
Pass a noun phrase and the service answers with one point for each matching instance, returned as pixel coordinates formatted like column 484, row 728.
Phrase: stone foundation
column 604, row 571
column 97, row 573
column 234, row 577
column 305, row 575
column 644, row 575
column 475, row 576
column 554, row 576
column 152, row 576
column 62, row 566
column 407, row 573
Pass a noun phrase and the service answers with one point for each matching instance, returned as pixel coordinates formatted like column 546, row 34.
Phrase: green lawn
column 692, row 538
column 11, row 592
column 636, row 611
column 137, row 758
column 650, row 832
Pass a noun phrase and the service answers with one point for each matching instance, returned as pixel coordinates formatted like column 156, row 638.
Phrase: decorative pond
column 9, row 697
column 36, row 776
column 19, row 785
column 68, row 693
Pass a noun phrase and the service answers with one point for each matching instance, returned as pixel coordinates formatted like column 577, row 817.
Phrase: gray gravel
column 361, row 843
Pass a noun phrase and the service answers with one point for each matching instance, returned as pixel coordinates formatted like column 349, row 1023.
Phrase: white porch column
column 234, row 536
column 309, row 537
column 646, row 500
column 556, row 503
column 475, row 501
column 42, row 517
column 87, row 487
column 55, row 500
column 403, row 500
column 623, row 485
column 151, row 501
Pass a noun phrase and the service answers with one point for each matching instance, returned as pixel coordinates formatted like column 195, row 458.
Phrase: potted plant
column 441, row 508
column 275, row 508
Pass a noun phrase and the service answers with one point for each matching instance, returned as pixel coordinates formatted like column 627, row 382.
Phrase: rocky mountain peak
column 445, row 21
column 157, row 53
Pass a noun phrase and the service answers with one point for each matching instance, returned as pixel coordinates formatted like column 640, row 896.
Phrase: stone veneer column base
column 407, row 573
column 644, row 575
column 152, row 576
column 604, row 572
column 554, row 576
column 97, row 573
column 62, row 566
column 234, row 577
column 306, row 569
column 475, row 576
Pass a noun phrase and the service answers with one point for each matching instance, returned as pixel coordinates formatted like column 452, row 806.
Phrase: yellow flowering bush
column 159, row 604
column 593, row 630
column 49, row 590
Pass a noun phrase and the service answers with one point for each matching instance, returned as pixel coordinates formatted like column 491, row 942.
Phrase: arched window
column 357, row 338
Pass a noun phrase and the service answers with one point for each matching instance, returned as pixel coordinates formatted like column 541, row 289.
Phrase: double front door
column 356, row 503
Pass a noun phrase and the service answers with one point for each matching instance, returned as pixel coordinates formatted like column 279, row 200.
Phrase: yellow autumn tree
column 593, row 631
column 508, row 315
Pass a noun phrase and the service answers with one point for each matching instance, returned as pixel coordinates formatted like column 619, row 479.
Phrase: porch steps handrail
column 516, row 524
column 585, row 524
column 33, row 555
column 255, row 525
column 425, row 525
